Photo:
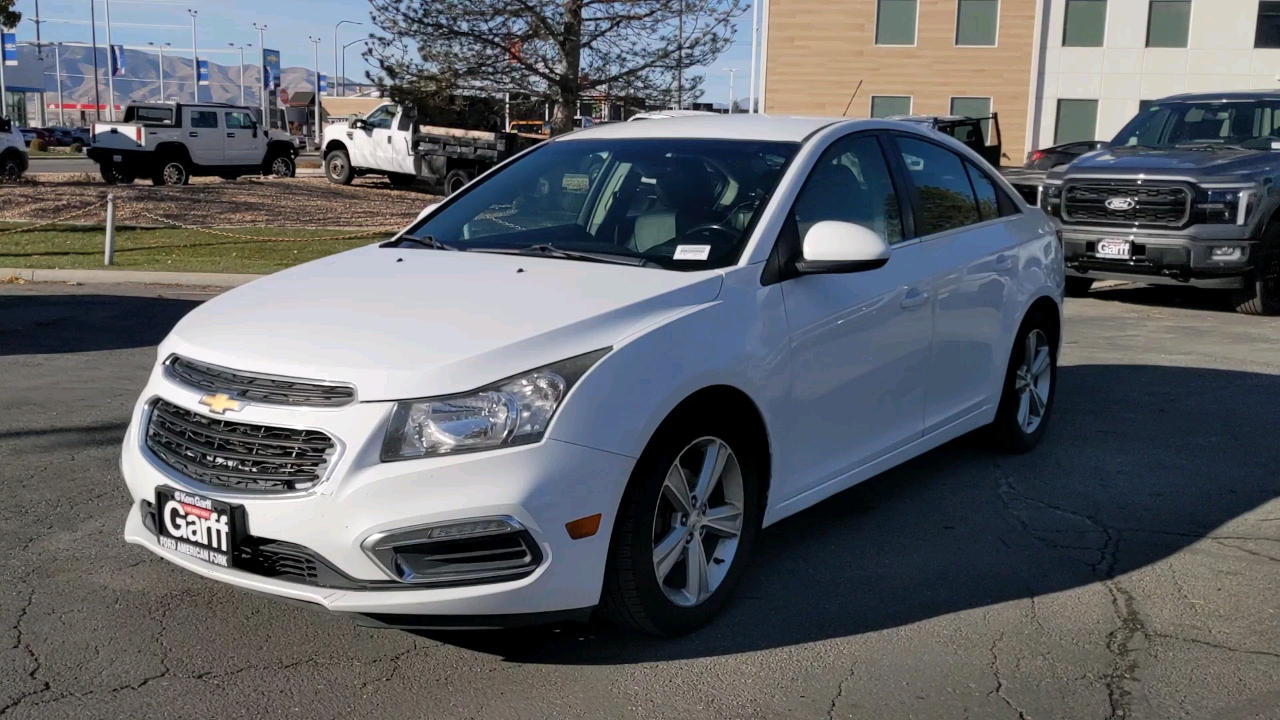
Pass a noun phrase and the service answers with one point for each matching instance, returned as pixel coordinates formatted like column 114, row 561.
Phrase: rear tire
column 1261, row 292
column 1026, row 402
column 114, row 175
column 650, row 519
column 1078, row 287
column 456, row 180
column 10, row 168
column 337, row 167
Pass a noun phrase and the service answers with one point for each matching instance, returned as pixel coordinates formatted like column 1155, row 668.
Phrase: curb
column 192, row 279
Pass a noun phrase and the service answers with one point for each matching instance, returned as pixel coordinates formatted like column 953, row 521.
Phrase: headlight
column 1224, row 207
column 515, row 411
column 1050, row 197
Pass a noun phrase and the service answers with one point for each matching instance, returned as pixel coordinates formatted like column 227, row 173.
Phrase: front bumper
column 1161, row 258
column 543, row 486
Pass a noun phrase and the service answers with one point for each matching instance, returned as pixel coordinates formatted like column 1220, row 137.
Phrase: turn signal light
column 583, row 528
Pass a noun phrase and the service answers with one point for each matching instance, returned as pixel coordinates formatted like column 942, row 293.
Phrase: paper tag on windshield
column 693, row 252
column 574, row 183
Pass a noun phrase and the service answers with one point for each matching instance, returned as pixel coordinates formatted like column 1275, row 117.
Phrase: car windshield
column 1251, row 124
column 681, row 204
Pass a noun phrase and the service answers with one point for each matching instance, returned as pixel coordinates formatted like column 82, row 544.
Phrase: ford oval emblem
column 1121, row 203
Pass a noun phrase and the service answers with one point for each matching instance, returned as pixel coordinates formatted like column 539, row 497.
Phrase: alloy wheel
column 1032, row 381
column 698, row 522
column 281, row 167
column 10, row 171
column 174, row 174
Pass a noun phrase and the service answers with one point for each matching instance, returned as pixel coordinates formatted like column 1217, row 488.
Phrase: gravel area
column 248, row 202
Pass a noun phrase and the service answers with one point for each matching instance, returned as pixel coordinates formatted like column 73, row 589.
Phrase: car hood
column 1198, row 165
column 405, row 323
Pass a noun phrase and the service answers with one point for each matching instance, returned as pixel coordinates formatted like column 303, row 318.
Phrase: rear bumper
column 1158, row 258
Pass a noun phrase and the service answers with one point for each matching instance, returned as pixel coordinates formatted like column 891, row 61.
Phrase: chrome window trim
column 229, row 494
column 173, row 377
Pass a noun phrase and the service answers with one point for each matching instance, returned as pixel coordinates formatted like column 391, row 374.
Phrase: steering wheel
column 731, row 233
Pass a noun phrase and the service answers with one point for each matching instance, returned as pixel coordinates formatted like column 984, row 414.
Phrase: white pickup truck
column 13, row 151
column 172, row 142
column 389, row 141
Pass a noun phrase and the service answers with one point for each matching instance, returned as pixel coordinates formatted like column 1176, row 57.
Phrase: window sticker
column 692, row 252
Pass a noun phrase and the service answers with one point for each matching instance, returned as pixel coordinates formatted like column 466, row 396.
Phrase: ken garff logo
column 1121, row 203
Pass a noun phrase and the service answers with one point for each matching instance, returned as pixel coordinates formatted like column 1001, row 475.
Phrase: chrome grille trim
column 258, row 388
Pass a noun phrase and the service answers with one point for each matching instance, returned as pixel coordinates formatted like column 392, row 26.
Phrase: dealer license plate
column 197, row 526
column 1115, row 249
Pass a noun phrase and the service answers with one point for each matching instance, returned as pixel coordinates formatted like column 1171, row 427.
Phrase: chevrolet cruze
column 590, row 378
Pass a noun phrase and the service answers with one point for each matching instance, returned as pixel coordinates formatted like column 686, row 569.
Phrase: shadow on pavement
column 32, row 324
column 1188, row 298
column 1138, row 463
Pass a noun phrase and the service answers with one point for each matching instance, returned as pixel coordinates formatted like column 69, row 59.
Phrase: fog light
column 1226, row 253
column 466, row 552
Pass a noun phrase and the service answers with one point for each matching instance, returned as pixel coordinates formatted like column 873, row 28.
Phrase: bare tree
column 9, row 17
column 553, row 50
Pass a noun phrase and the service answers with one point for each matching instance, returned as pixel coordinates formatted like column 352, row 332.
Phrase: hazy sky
column 289, row 22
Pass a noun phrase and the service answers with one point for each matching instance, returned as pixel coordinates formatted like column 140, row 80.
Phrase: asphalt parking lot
column 1128, row 568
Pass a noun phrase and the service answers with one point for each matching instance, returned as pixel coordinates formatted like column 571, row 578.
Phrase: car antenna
column 851, row 97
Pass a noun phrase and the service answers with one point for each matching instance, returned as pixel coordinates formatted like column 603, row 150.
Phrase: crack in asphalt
column 22, row 644
column 1218, row 646
column 1120, row 643
column 995, row 670
column 1223, row 542
column 831, row 710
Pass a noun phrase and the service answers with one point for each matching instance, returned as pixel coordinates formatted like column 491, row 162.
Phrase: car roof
column 728, row 127
column 928, row 118
column 662, row 114
column 1230, row 95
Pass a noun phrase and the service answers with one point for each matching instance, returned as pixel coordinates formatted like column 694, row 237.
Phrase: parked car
column 13, row 151
column 592, row 375
column 1184, row 195
column 1052, row 157
column 28, row 134
column 81, row 135
column 173, row 142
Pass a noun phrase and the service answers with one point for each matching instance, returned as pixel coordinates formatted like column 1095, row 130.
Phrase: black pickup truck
column 1186, row 194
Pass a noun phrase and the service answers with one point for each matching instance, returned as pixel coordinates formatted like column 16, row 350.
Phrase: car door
column 367, row 142
column 859, row 341
column 394, row 145
column 244, row 144
column 204, row 139
column 969, row 227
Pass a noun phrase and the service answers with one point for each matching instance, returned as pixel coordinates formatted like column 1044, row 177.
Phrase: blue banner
column 324, row 83
column 10, row 43
column 117, row 60
column 271, row 67
column 204, row 72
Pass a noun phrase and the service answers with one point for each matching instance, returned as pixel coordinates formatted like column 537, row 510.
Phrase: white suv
column 590, row 377
column 13, row 151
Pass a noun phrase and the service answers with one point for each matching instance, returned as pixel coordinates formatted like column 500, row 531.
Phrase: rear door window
column 204, row 119
column 942, row 185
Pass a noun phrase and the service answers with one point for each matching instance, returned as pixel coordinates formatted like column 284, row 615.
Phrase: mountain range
column 140, row 81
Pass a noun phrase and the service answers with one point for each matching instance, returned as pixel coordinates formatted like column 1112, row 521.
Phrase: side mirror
column 427, row 211
column 840, row 247
column 359, row 123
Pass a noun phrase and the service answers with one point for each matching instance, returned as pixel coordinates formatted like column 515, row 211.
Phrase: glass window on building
column 889, row 105
column 1077, row 120
column 1168, row 23
column 896, row 22
column 1268, row 32
column 15, row 107
column 1086, row 23
column 974, row 107
column 976, row 22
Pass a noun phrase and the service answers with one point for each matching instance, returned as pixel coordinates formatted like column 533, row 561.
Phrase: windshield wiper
column 425, row 241
column 549, row 250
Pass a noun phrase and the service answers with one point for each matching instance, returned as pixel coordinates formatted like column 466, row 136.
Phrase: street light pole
column 57, row 71
column 242, row 47
column 111, row 76
column 161, row 48
column 731, row 72
column 335, row 51
column 195, row 58
column 344, row 64
column 755, row 34
column 262, row 74
column 97, row 93
column 316, row 41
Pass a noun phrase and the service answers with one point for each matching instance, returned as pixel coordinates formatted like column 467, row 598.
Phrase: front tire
column 685, row 527
column 1029, row 386
column 1261, row 292
column 337, row 167
column 10, row 169
column 282, row 166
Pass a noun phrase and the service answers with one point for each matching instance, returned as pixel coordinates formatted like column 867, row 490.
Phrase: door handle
column 388, row 139
column 231, row 135
column 1003, row 262
column 194, row 134
column 914, row 299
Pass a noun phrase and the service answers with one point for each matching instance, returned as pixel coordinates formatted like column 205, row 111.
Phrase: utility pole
column 111, row 76
column 755, row 34
column 97, row 93
column 44, row 117
column 262, row 74
column 316, row 41
column 680, row 58
column 731, row 72
column 335, row 53
column 195, row 59
column 57, row 71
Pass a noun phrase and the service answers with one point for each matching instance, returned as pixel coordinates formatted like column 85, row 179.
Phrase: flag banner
column 117, row 60
column 10, row 43
column 271, row 69
column 204, row 72
column 324, row 83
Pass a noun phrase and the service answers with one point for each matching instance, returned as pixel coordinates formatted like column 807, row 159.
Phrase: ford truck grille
column 1160, row 205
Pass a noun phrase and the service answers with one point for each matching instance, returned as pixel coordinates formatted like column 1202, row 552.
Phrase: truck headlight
column 511, row 412
column 1050, row 198
column 1224, row 207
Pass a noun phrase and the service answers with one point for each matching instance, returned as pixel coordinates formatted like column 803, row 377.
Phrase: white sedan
column 590, row 378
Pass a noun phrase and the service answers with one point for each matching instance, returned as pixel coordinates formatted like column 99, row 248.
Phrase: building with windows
column 1055, row 70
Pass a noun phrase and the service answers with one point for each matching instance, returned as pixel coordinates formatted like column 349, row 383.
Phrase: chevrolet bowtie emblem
column 220, row 403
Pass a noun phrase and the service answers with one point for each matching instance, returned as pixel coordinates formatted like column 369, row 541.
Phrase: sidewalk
column 187, row 279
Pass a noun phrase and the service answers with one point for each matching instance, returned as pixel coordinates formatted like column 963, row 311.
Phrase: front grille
column 259, row 388
column 1163, row 205
column 241, row 456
